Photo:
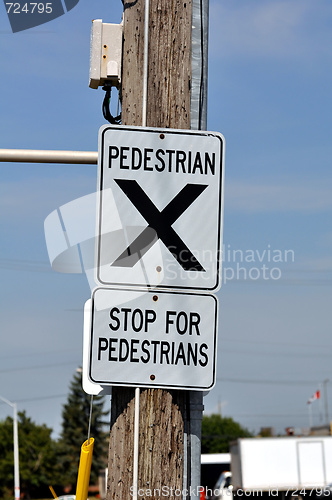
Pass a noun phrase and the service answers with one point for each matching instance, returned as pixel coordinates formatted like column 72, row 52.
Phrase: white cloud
column 316, row 265
column 255, row 197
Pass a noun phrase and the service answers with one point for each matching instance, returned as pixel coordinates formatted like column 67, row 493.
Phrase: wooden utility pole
column 169, row 63
column 164, row 415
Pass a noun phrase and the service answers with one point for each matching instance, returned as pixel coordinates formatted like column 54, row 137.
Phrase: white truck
column 286, row 467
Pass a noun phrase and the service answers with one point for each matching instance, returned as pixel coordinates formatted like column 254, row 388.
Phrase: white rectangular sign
column 160, row 208
column 152, row 339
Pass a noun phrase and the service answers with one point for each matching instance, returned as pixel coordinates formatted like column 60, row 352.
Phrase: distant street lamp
column 17, row 492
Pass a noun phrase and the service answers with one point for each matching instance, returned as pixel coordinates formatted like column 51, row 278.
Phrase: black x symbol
column 159, row 223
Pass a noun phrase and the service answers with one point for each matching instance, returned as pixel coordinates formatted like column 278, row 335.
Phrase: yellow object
column 84, row 469
column 53, row 492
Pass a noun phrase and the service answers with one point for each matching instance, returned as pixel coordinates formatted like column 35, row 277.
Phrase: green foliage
column 75, row 420
column 44, row 461
column 218, row 432
column 37, row 455
column 6, row 454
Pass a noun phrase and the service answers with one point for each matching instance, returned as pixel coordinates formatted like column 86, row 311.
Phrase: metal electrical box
column 105, row 54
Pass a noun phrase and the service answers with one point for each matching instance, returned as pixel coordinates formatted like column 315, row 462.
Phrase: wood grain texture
column 163, row 414
column 161, row 440
column 169, row 64
column 132, row 63
column 121, row 444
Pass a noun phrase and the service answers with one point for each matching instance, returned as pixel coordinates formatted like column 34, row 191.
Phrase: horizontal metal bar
column 48, row 156
column 5, row 400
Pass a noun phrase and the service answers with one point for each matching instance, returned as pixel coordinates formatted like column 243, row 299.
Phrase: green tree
column 218, row 432
column 37, row 456
column 75, row 422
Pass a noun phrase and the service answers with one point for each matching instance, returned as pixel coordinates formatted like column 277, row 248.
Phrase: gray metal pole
column 196, row 415
column 198, row 116
column 325, row 382
column 199, row 64
column 48, row 156
column 17, row 492
column 16, row 457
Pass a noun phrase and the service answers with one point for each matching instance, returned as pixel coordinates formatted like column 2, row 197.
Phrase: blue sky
column 269, row 95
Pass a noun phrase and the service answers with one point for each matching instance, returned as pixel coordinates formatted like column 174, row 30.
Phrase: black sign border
column 156, row 385
column 200, row 133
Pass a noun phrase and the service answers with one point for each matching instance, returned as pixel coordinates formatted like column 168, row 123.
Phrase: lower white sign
column 153, row 339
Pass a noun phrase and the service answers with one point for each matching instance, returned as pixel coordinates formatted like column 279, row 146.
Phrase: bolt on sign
column 152, row 339
column 160, row 208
